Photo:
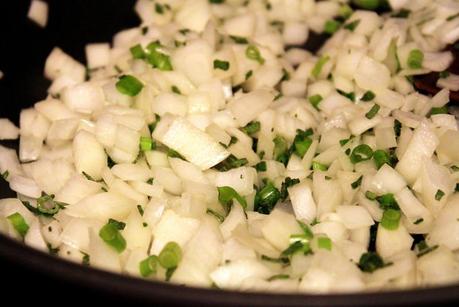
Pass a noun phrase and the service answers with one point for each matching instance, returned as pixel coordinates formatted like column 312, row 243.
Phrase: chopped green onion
column 307, row 232
column 387, row 201
column 319, row 65
column 381, row 157
column 159, row 8
column 261, row 166
column 397, row 127
column 370, row 195
column 152, row 126
column 403, row 13
column 119, row 225
column 252, row 52
column 352, row 25
column 223, row 65
column 367, row 4
column 157, row 59
column 19, row 223
column 344, row 142
column 418, row 221
column 331, row 26
column 278, row 276
column 86, row 259
column 368, row 96
column 357, row 183
column 439, row 195
column 112, row 236
column 390, row 219
column 281, row 153
column 350, row 96
column 370, row 262
column 266, row 198
column 440, row 110
column 230, row 163
column 248, row 75
column 295, row 247
column 140, row 209
column 345, row 11
column 147, row 143
column 47, row 206
column 5, row 174
column 227, row 194
column 443, row 74
column 216, row 1
column 301, row 143
column 176, row 90
column 315, row 100
column 373, row 111
column 148, row 266
column 319, row 167
column 424, row 249
column 170, row 255
column 137, row 52
column 251, row 128
column 288, row 182
column 215, row 214
column 363, row 152
column 415, row 59
column 239, row 40
column 282, row 260
column 324, row 243
column 129, row 85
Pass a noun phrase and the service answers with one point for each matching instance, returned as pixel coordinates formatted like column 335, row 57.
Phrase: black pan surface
column 23, row 50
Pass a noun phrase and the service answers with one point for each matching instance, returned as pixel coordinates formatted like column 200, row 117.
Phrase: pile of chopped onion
column 206, row 148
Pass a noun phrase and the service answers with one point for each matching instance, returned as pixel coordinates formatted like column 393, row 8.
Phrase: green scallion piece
column 381, row 157
column 227, row 194
column 148, row 266
column 352, row 25
column 367, row 4
column 317, row 69
column 301, row 143
column 315, row 100
column 373, row 111
column 215, row 214
column 19, row 223
column 223, row 65
column 368, row 96
column 281, row 153
column 345, row 11
column 261, row 166
column 112, row 236
column 267, row 198
column 252, row 52
column 324, row 243
column 137, row 52
column 158, row 59
column 278, row 276
column 239, row 40
column 331, row 26
column 370, row 195
column 415, row 59
column 129, row 85
column 119, row 225
column 390, row 219
column 387, row 201
column 439, row 110
column 357, row 183
column 147, row 143
column 251, row 128
column 360, row 153
column 439, row 195
column 370, row 262
column 319, row 167
column 170, row 255
column 307, row 232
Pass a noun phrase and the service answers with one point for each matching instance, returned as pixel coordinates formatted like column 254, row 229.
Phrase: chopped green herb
column 239, row 40
column 357, row 183
column 119, row 225
column 363, row 152
column 315, row 100
column 112, row 236
column 307, row 232
column 381, row 157
column 281, row 153
column 387, row 201
column 418, row 221
column 345, row 11
column 302, row 142
column 368, row 96
column 295, row 247
column 424, row 249
column 215, row 214
column 331, row 26
column 415, row 59
column 140, row 209
column 403, row 13
column 248, row 75
column 282, row 260
column 129, row 85
column 266, row 198
column 324, row 243
column 288, row 182
column 367, row 4
column 227, row 194
column 159, row 8
column 137, row 52
column 152, row 126
column 147, row 143
column 317, row 69
column 370, row 195
column 390, row 219
column 230, row 163
column 318, row 166
column 174, row 154
column 176, row 90
column 19, row 223
column 373, row 111
column 370, row 262
column 216, row 1
column 158, row 59
column 352, row 25
column 350, row 96
column 251, row 128
column 170, row 255
column 285, row 75
column 439, row 195
column 440, row 110
column 397, row 127
column 169, row 273
column 253, row 53
column 86, row 259
column 261, row 166
column 223, row 65
column 148, row 266
column 344, row 142
column 443, row 74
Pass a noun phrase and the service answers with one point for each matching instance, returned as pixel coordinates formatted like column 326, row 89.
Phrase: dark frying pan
column 41, row 277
